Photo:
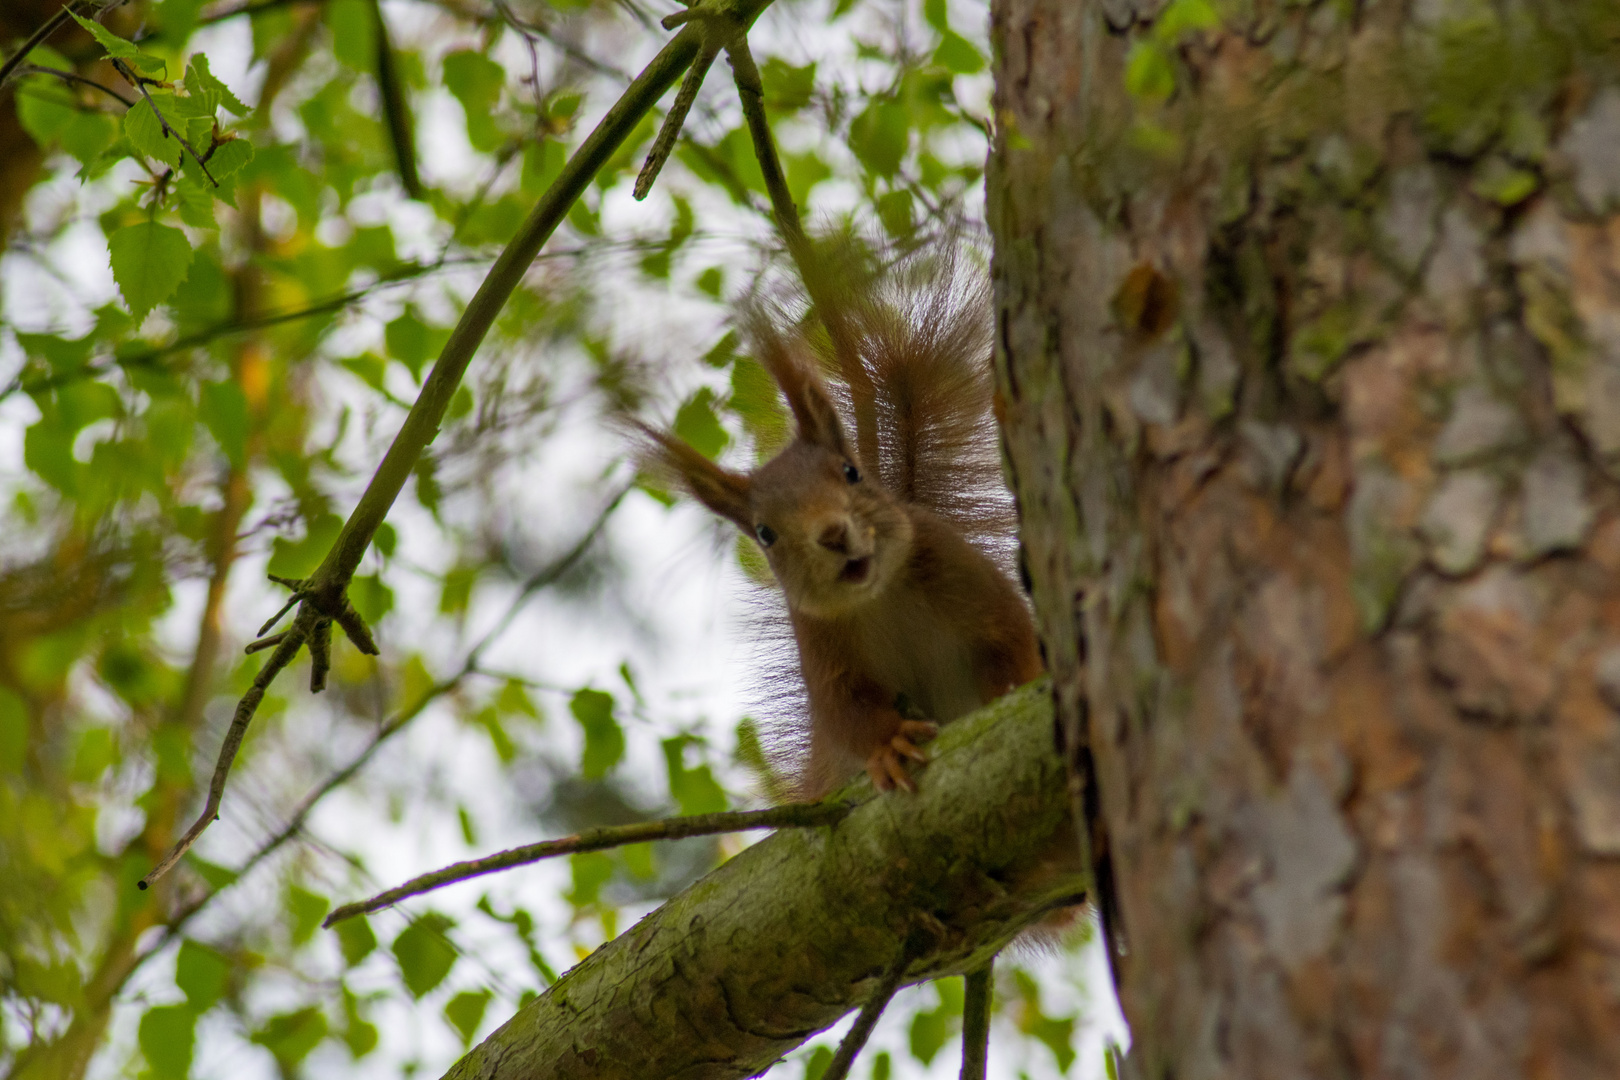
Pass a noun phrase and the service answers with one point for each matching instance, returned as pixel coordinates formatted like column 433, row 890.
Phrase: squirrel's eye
column 851, row 473
column 766, row 534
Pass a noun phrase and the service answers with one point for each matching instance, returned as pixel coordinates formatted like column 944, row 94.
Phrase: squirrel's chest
column 909, row 648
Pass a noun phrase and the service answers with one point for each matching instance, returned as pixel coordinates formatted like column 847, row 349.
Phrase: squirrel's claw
column 887, row 766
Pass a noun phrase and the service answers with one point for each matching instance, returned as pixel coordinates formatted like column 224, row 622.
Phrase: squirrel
column 901, row 622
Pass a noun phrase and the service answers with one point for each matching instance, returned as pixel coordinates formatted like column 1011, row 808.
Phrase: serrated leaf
column 145, row 131
column 202, row 82
column 114, row 45
column 196, row 206
column 604, row 739
column 201, row 974
column 424, row 956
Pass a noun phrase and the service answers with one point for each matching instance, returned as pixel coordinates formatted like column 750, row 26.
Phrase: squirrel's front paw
column 886, row 766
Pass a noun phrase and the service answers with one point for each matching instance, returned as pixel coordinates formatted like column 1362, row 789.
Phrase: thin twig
column 139, row 83
column 72, row 77
column 976, row 1022
column 545, row 576
column 793, row 815
column 831, row 309
column 285, row 651
column 38, row 37
column 840, row 1065
column 675, row 118
column 396, row 106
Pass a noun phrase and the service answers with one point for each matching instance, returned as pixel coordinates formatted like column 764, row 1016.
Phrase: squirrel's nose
column 835, row 537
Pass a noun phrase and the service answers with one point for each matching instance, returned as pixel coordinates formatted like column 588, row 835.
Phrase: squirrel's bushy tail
column 915, row 335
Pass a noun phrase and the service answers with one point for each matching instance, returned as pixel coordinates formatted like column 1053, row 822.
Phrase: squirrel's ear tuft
column 723, row 491
column 813, row 409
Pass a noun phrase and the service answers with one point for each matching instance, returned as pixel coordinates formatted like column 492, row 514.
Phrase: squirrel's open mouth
column 856, row 570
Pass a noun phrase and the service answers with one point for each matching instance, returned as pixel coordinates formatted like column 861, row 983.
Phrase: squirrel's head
column 835, row 538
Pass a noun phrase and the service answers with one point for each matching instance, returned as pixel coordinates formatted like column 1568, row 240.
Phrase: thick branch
column 784, row 939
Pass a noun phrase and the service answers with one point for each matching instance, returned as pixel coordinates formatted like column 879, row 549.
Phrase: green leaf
column 48, row 453
column 696, row 423
column 167, row 1034
column 356, row 939
column 477, row 82
column 695, row 790
column 297, row 559
column 604, row 740
column 424, row 956
column 929, row 1030
column 894, row 210
column 196, row 206
column 591, row 870
column 879, row 136
column 201, row 974
column 117, row 47
column 934, row 14
column 148, row 262
column 202, row 83
column 44, row 108
column 958, row 55
column 144, row 129
column 816, row 1064
column 354, row 33
column 87, row 134
column 710, row 282
column 178, row 18
column 307, row 911
column 787, row 88
column 358, row 1034
column 291, row 1036
column 413, row 342
column 465, row 1012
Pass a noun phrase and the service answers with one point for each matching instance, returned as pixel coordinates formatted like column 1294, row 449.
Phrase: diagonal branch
column 778, row 942
column 832, row 309
column 838, row 1068
column 793, row 815
column 324, row 592
column 46, row 29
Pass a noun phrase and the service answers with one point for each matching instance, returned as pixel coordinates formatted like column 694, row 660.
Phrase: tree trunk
column 1309, row 340
column 796, row 931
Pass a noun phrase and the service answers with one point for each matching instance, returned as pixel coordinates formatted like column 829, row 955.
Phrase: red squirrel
column 901, row 622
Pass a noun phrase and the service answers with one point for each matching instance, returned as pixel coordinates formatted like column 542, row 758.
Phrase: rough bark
column 787, row 937
column 1311, row 367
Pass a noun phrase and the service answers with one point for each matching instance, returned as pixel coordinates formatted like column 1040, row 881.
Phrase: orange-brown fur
column 892, row 607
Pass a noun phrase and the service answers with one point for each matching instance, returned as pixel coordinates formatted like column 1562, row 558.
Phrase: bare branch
column 793, row 815
column 49, row 27
column 73, row 77
column 976, row 1023
column 285, row 651
column 839, row 1067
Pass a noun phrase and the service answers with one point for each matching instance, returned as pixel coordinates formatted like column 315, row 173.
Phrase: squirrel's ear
column 723, row 491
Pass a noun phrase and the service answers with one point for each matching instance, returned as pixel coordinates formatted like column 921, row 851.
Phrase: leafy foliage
column 235, row 243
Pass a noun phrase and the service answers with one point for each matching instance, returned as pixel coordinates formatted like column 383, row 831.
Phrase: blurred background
column 560, row 646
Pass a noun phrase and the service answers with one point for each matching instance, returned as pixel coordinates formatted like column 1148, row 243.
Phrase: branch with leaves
column 321, row 597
